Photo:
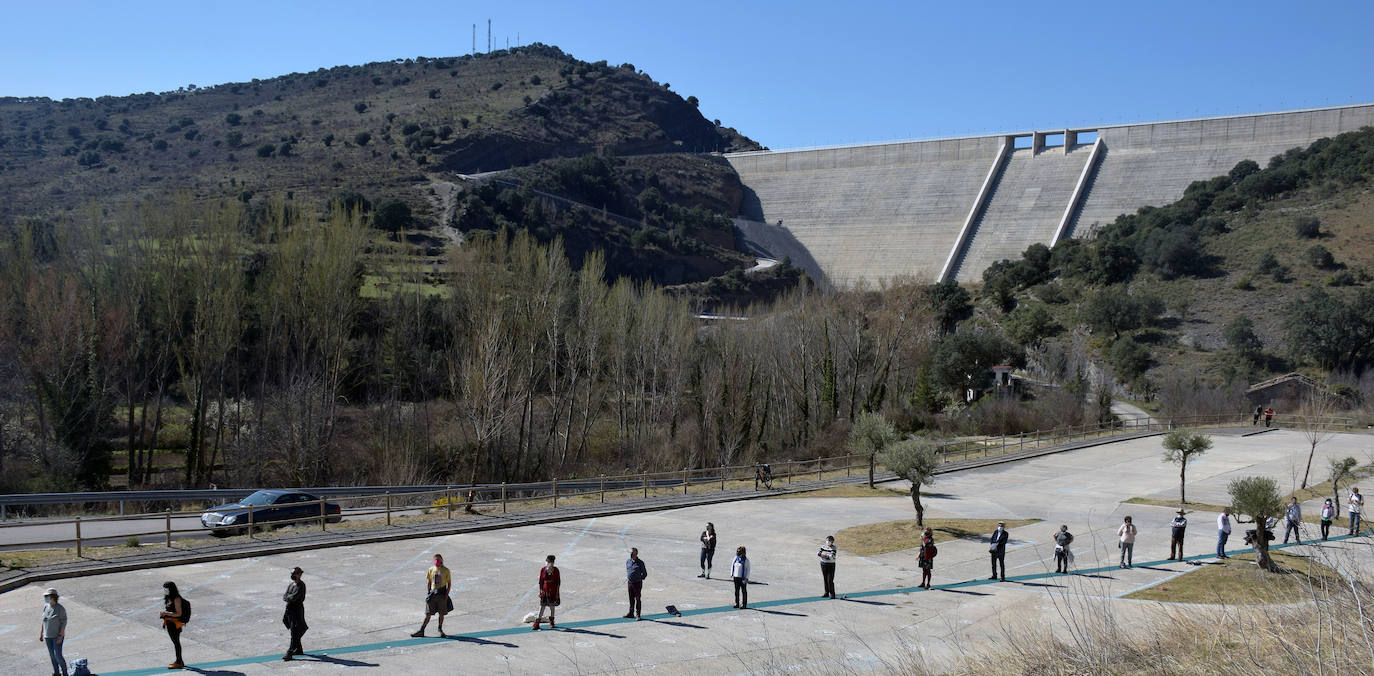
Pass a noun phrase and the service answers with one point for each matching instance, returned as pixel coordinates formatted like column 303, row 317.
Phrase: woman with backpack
column 925, row 557
column 175, row 612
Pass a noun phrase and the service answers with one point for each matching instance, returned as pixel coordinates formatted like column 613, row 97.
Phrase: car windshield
column 259, row 499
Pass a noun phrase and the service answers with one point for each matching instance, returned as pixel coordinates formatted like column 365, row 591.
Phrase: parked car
column 268, row 507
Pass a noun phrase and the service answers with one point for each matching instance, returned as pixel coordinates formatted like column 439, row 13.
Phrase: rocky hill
column 383, row 130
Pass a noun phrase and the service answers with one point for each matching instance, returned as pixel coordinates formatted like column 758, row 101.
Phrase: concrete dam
column 948, row 208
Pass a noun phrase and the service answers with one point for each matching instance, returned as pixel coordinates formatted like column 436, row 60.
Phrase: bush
column 1130, row 358
column 1307, row 227
column 410, row 128
column 391, row 215
column 360, row 107
column 1269, row 265
column 233, row 139
column 1342, row 278
column 328, row 140
column 361, row 138
column 233, row 119
column 159, row 144
column 1240, row 336
column 266, row 150
column 90, row 158
column 1320, row 257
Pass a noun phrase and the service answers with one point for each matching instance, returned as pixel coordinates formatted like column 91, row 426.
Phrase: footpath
column 158, row 557
column 581, row 627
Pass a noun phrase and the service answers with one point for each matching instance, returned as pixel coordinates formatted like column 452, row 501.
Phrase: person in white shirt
column 1356, row 503
column 1223, row 532
column 1127, row 535
column 739, row 572
column 827, row 555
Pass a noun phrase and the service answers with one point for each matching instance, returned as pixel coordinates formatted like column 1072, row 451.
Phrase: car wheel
column 220, row 533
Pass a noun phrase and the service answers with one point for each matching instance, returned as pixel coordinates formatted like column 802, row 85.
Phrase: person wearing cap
column 53, row 631
column 294, row 617
column 997, row 549
column 438, row 583
column 1176, row 528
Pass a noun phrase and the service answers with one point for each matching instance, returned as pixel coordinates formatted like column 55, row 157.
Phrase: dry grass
column 895, row 536
column 1238, row 581
column 1330, row 632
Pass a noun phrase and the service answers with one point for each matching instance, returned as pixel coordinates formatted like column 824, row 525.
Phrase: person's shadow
column 330, row 659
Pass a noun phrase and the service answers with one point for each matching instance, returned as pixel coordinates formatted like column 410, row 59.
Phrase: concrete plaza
column 364, row 600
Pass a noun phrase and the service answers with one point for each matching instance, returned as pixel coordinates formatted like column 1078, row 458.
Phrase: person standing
column 739, row 573
column 549, row 581
column 1356, row 504
column 1176, row 530
column 997, row 549
column 1223, row 532
column 1126, row 533
column 1268, row 416
column 925, row 557
column 828, row 555
column 1328, row 513
column 294, row 617
column 1062, row 555
column 173, row 618
column 708, row 549
column 52, row 632
column 635, row 573
column 438, row 585
column 1292, row 518
column 1259, row 410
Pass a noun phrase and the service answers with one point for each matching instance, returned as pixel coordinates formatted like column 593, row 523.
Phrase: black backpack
column 185, row 610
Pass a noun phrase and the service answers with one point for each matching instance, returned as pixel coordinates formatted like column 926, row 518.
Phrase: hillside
column 1248, row 275
column 384, row 130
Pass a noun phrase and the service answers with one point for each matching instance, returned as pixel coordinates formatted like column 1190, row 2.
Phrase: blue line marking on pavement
column 513, row 631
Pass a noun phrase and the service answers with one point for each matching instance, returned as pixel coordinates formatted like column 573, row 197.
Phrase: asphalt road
column 149, row 529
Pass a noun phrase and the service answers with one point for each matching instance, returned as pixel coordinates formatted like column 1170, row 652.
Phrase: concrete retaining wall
column 866, row 213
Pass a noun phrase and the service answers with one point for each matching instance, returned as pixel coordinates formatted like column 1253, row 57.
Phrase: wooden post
column 820, row 465
column 685, row 476
column 448, row 502
column 848, row 464
column 323, row 517
column 250, row 521
column 722, row 477
column 555, row 492
column 603, row 488
column 388, row 508
column 789, row 472
column 78, row 537
column 503, row 497
column 644, row 479
column 168, row 526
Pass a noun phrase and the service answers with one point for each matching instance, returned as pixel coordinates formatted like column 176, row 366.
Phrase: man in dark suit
column 997, row 548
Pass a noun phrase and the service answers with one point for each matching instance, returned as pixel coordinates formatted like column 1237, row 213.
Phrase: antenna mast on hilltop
column 488, row 36
column 474, row 39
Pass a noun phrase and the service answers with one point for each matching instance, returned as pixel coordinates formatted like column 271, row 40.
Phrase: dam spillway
column 949, row 208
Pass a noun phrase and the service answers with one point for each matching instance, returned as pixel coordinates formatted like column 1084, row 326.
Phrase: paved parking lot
column 364, row 600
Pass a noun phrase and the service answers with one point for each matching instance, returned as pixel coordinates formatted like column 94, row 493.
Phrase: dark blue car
column 268, row 506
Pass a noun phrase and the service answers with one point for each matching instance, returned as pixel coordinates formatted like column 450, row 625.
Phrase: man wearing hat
column 997, row 548
column 1179, row 524
column 294, row 617
column 54, row 630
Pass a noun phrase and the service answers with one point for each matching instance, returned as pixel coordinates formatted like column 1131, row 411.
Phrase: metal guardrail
column 388, row 500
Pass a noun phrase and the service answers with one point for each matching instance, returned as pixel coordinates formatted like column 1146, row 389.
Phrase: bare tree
column 1317, row 407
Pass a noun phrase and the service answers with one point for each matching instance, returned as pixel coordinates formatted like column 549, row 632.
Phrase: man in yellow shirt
column 438, row 582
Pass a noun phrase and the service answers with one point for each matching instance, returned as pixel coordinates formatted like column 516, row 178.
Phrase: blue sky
column 788, row 74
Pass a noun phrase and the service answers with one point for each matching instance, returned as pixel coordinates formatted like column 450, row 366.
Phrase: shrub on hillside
column 361, row 138
column 266, row 150
column 1129, row 358
column 1240, row 336
column 1307, row 227
column 391, row 215
column 1320, row 257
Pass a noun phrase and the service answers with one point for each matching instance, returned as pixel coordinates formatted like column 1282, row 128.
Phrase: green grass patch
column 1238, row 581
column 895, row 536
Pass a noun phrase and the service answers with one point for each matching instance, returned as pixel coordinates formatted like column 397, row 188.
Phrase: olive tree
column 1340, row 470
column 916, row 461
column 870, row 436
column 1259, row 497
column 1181, row 446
